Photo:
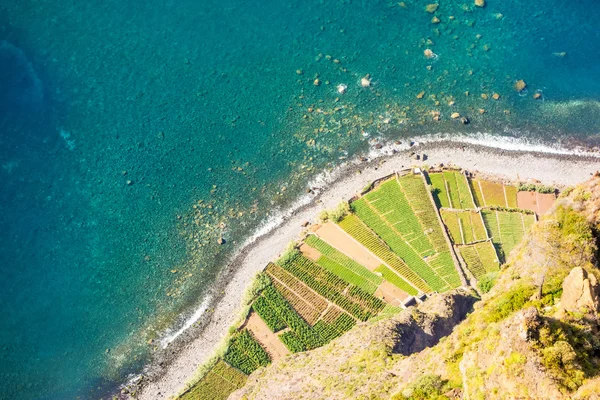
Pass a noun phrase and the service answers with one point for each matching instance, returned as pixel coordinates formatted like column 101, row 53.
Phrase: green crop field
column 417, row 194
column 450, row 219
column 245, row 353
column 391, row 204
column 476, row 190
column 352, row 299
column 467, row 222
column 480, row 258
column 458, row 187
column 398, row 245
column 396, row 280
column 506, row 229
column 359, row 231
column 218, row 383
column 343, row 266
column 440, row 194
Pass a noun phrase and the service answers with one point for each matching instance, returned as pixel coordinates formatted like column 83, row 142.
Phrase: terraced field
column 464, row 226
column 396, row 243
column 480, row 258
column 491, row 194
column 359, row 231
column 506, row 229
column 400, row 212
column 220, row 381
column 451, row 190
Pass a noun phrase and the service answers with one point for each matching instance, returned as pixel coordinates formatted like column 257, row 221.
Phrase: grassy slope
column 485, row 356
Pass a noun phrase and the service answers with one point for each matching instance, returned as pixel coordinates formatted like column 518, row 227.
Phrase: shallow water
column 162, row 126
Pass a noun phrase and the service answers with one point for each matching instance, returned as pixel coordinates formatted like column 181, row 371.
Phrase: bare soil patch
column 339, row 239
column 268, row 339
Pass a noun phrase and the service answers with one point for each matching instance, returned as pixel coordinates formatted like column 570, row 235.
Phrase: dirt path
column 339, row 239
column 268, row 339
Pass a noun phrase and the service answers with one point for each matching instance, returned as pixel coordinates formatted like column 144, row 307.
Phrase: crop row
column 471, row 258
column 331, row 314
column 511, row 196
column 291, row 341
column 396, row 280
column 470, row 222
column 357, row 302
column 390, row 202
column 230, row 374
column 268, row 314
column 339, row 257
column 416, row 193
column 306, row 311
column 346, row 274
column 319, row 303
column 284, row 310
column 355, row 228
column 460, row 193
column 476, row 190
column 245, row 353
column 480, row 258
column 217, row 384
column 440, row 194
column 443, row 264
column 399, row 246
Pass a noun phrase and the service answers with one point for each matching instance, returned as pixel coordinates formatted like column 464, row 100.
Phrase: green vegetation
column 480, row 258
column 395, row 280
column 506, row 229
column 346, row 266
column 476, row 190
column 439, row 192
column 264, row 310
column 356, row 228
column 487, row 282
column 286, row 313
column 460, row 195
column 218, row 383
column 509, row 302
column 426, row 387
column 354, row 300
column 245, row 353
column 464, row 226
column 337, row 213
column 531, row 187
column 292, row 342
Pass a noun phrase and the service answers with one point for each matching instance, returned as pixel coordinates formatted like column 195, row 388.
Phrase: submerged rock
column 520, row 85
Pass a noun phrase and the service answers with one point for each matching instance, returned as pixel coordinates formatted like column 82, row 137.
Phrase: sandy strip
column 549, row 169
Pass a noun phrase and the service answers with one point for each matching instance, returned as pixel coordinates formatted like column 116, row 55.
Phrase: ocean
column 136, row 135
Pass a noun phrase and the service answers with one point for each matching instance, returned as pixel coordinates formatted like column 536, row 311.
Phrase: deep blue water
column 134, row 134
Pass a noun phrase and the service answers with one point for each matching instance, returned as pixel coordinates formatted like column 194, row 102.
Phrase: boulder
column 580, row 291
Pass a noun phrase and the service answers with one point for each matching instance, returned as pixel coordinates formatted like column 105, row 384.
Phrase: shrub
column 426, row 387
column 509, row 302
column 530, row 187
column 487, row 282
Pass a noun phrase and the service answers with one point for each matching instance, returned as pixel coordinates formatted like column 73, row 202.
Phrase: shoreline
column 177, row 363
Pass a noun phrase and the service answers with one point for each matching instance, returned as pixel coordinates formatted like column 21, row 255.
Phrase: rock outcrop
column 581, row 292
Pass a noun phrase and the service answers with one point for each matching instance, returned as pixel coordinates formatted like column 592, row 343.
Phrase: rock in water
column 20, row 87
column 580, row 291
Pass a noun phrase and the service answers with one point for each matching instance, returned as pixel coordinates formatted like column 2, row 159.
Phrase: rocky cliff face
column 536, row 334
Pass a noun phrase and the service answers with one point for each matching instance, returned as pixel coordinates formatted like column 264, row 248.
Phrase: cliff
column 535, row 334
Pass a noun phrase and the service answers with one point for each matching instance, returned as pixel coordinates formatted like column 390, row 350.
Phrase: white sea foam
column 170, row 336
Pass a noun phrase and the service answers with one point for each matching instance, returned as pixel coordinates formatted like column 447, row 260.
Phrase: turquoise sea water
column 134, row 134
